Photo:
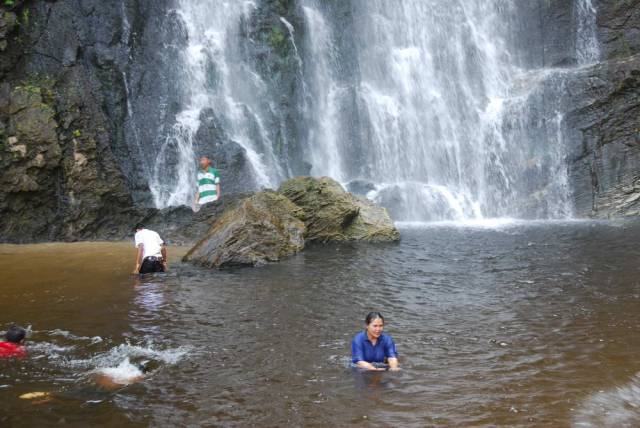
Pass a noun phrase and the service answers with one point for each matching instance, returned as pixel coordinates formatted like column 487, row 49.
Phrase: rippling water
column 518, row 324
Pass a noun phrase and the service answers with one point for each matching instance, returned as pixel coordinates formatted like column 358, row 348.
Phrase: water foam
column 124, row 373
column 117, row 354
column 618, row 407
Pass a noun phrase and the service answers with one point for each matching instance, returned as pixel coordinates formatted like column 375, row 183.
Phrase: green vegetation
column 277, row 39
column 32, row 89
column 25, row 17
column 9, row 3
column 77, row 133
column 283, row 6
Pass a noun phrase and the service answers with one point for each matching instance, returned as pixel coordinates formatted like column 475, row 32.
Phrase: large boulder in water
column 265, row 227
column 333, row 215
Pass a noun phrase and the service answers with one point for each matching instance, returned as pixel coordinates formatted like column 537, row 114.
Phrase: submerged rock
column 265, row 227
column 333, row 215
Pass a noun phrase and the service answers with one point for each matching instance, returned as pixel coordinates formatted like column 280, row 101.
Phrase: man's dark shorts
column 151, row 265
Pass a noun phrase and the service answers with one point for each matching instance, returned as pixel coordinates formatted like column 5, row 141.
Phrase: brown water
column 518, row 325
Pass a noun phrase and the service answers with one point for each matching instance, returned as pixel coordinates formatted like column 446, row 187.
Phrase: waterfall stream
column 214, row 76
column 424, row 104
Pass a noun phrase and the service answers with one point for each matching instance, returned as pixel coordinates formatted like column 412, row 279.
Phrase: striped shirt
column 208, row 182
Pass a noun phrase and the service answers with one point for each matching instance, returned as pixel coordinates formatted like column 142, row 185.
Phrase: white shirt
column 151, row 241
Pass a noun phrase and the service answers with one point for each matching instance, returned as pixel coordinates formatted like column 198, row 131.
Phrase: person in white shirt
column 152, row 253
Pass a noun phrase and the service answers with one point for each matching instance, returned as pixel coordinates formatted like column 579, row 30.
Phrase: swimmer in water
column 371, row 348
column 13, row 346
column 123, row 375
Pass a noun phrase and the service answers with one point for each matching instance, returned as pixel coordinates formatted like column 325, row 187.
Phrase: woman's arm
column 392, row 355
column 368, row 366
column 393, row 364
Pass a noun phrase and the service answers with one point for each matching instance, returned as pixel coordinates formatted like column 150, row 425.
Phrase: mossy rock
column 263, row 228
column 332, row 214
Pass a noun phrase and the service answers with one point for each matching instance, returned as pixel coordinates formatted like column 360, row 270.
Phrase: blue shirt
column 363, row 350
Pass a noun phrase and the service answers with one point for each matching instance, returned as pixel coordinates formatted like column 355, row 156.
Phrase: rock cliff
column 86, row 89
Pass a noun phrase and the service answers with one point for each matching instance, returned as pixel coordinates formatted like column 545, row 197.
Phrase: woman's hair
column 373, row 316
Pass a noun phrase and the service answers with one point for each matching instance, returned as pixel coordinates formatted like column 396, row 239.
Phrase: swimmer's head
column 144, row 366
column 15, row 334
column 374, row 323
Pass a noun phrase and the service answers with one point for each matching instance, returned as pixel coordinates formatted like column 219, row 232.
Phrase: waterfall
column 214, row 77
column 325, row 156
column 587, row 46
column 427, row 106
column 453, row 127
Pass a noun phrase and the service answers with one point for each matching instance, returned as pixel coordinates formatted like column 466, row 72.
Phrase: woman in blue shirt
column 371, row 347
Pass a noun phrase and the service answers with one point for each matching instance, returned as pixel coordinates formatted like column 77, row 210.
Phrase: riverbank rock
column 263, row 228
column 333, row 215
column 604, row 138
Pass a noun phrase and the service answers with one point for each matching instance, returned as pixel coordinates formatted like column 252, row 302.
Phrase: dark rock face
column 604, row 125
column 61, row 118
column 274, row 55
column 619, row 27
column 263, row 228
column 180, row 225
column 228, row 156
column 58, row 181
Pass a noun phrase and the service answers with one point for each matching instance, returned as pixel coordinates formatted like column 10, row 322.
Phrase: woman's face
column 375, row 327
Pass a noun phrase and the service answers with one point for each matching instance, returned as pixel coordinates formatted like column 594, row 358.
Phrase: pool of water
column 513, row 324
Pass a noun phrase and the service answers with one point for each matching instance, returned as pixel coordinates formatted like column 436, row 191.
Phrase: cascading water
column 214, row 76
column 587, row 46
column 453, row 123
column 427, row 103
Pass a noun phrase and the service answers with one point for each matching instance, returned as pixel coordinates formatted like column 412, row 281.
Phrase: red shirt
column 9, row 350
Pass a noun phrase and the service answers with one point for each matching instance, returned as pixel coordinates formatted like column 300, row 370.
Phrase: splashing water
column 618, row 407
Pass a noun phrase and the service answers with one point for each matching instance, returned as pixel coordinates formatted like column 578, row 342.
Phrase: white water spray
column 455, row 127
column 214, row 76
column 587, row 46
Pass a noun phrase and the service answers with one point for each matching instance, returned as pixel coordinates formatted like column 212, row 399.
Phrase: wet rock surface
column 604, row 143
column 58, row 182
column 269, row 226
column 263, row 228
column 333, row 215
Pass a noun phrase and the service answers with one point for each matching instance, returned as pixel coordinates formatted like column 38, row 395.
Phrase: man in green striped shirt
column 208, row 183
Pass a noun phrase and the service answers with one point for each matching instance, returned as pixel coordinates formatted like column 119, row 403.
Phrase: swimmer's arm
column 139, row 259
column 368, row 366
column 165, row 259
column 393, row 364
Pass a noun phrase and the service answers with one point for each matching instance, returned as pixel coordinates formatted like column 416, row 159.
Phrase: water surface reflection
column 521, row 324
